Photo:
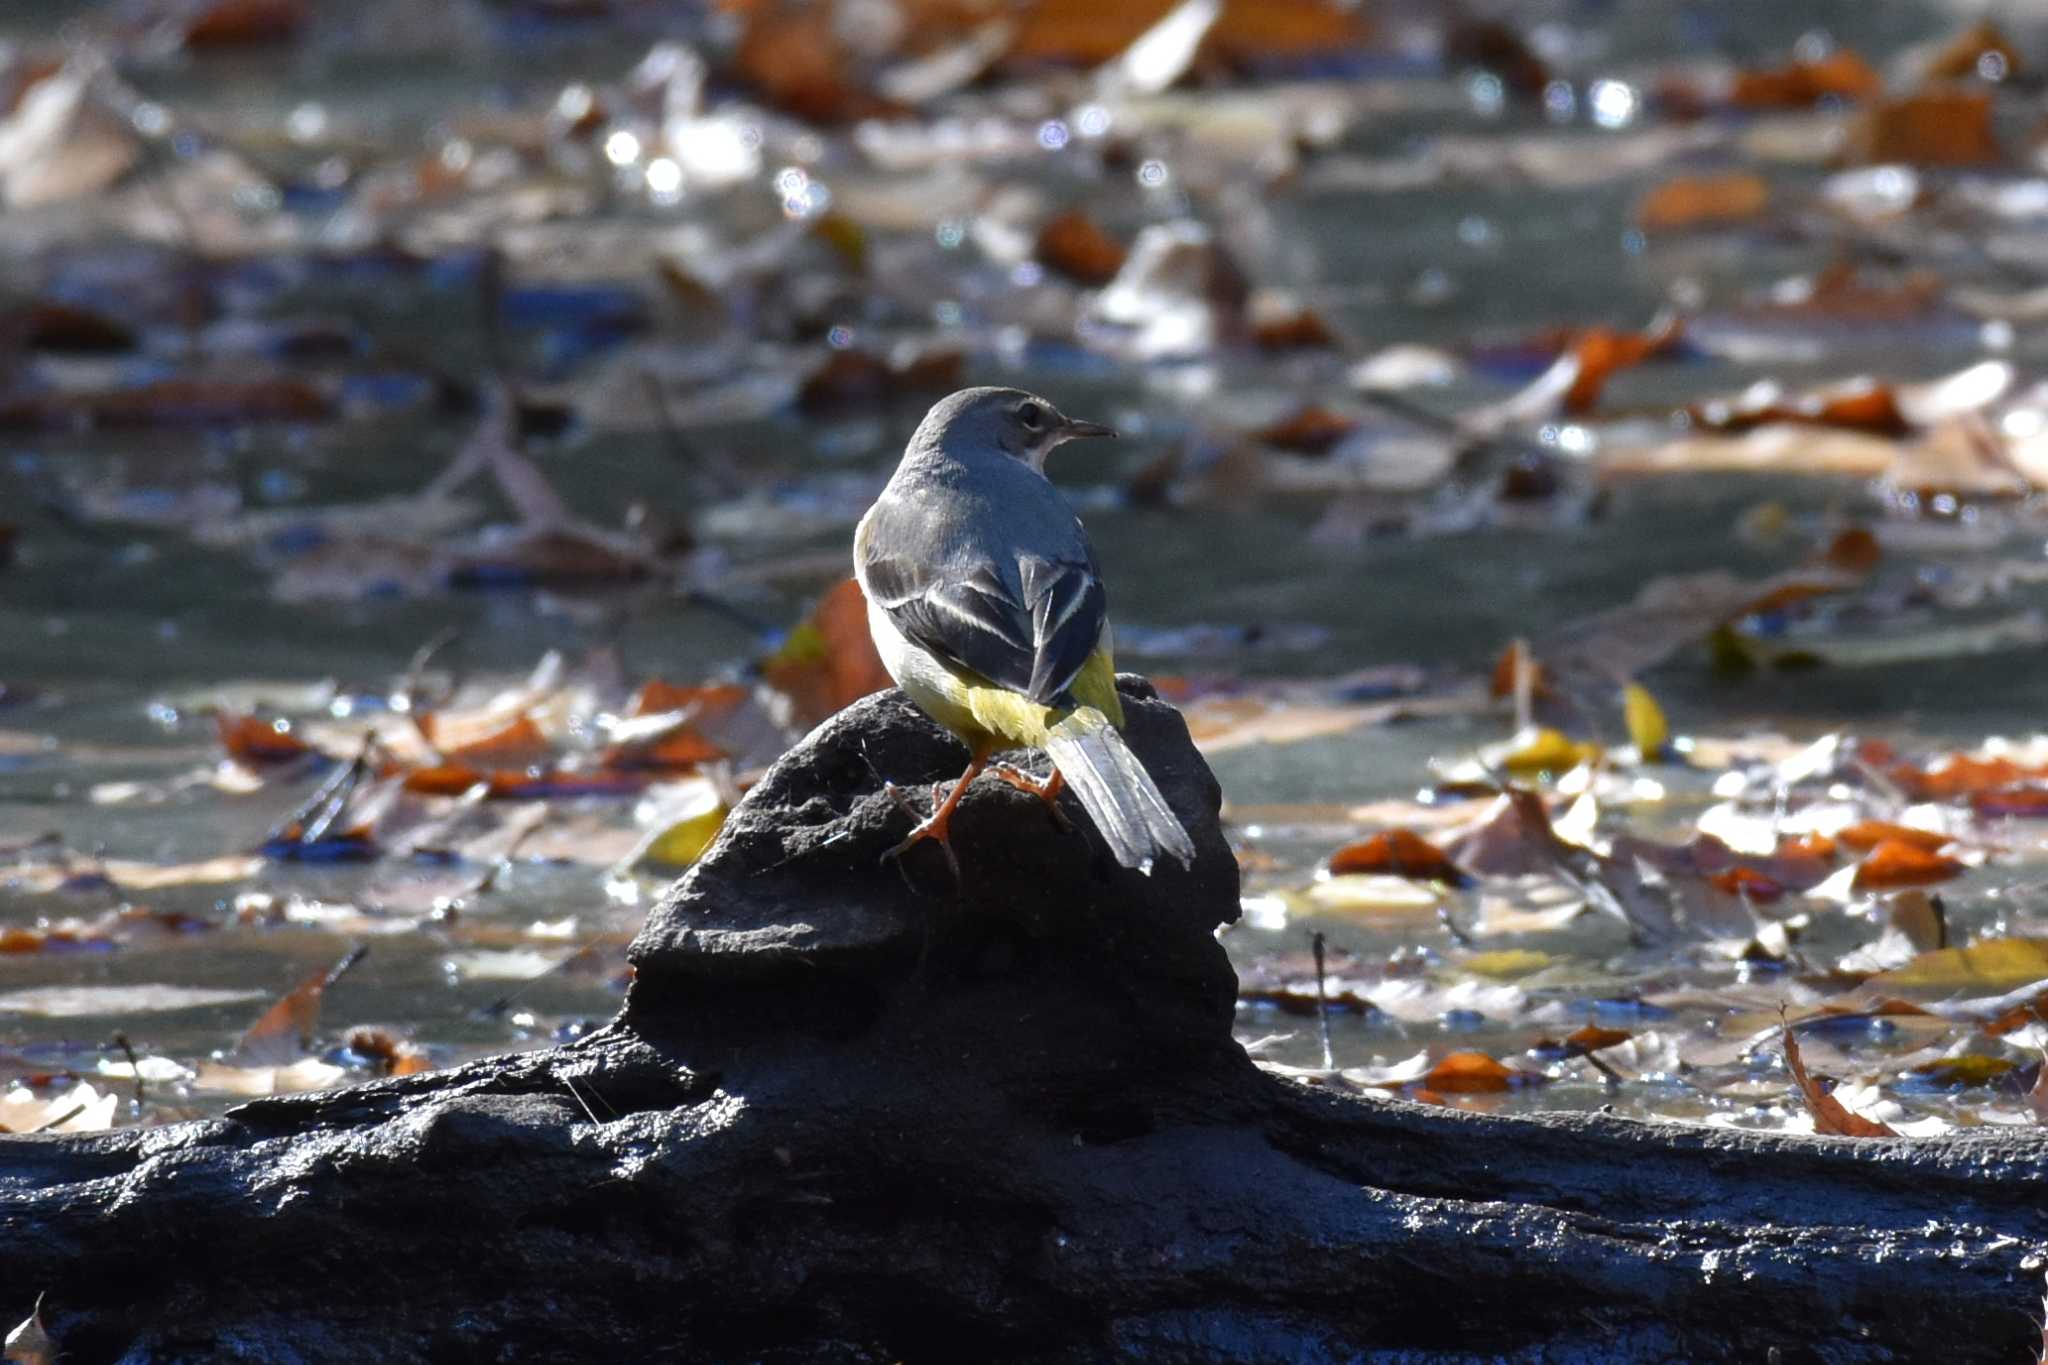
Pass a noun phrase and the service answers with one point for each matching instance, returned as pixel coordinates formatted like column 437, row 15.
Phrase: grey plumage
column 970, row 558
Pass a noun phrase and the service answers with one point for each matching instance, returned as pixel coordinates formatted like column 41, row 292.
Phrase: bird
column 987, row 607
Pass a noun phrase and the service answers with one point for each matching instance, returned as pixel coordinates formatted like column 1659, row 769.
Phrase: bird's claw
column 936, row 827
column 1047, row 791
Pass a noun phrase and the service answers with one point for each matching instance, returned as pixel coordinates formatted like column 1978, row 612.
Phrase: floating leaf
column 1703, row 201
column 1991, row 965
column 1896, row 863
column 1072, row 244
column 1829, row 1114
column 1647, row 728
column 1399, row 853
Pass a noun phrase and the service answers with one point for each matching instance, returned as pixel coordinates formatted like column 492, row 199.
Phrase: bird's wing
column 1030, row 629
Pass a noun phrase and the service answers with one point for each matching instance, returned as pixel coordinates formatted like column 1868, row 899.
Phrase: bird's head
column 1009, row 423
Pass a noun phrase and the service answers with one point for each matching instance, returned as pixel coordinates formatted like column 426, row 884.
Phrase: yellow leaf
column 684, row 842
column 1547, row 750
column 1972, row 1068
column 1647, row 727
column 1507, row 963
column 1986, row 968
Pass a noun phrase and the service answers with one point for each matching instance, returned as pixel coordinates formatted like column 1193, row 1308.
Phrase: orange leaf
column 1706, row 200
column 1895, row 863
column 1854, row 550
column 246, row 23
column 1944, row 127
column 1302, row 331
column 656, row 696
column 1957, row 775
column 258, row 741
column 1073, row 245
column 1601, row 352
column 1592, row 1038
column 1748, row 883
column 1841, row 74
column 829, row 661
column 1473, row 1073
column 1398, row 853
column 518, row 741
column 1964, row 56
column 2023, row 801
column 1311, row 431
column 1830, row 1115
column 446, row 779
column 1868, row 834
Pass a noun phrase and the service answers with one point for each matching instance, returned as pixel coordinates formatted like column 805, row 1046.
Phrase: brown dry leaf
column 1940, row 127
column 246, row 23
column 1965, row 56
column 1246, row 34
column 1855, row 405
column 279, row 1036
column 829, row 662
column 1072, row 244
column 1299, row 330
column 1689, row 201
column 1670, row 613
column 1896, row 863
column 1397, row 853
column 792, row 55
column 259, row 741
column 1841, row 74
column 1475, row 1073
column 1312, row 430
column 1865, row 835
column 1829, row 1114
column 1600, row 352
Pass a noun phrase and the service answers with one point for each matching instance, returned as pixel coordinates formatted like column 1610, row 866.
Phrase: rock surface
column 853, row 1112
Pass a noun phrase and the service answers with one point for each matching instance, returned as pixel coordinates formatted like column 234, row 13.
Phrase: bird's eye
column 1030, row 416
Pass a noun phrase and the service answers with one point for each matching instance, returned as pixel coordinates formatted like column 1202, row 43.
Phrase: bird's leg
column 1047, row 791
column 939, row 825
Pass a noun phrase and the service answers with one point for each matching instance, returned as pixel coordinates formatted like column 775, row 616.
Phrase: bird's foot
column 1047, row 791
column 937, row 828
column 938, row 825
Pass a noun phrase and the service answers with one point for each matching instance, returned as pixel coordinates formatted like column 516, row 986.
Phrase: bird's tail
column 1119, row 794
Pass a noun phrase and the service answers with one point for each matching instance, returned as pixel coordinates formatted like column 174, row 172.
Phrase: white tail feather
column 1118, row 793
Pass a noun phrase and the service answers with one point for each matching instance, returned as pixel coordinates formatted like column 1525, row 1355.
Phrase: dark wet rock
column 848, row 1118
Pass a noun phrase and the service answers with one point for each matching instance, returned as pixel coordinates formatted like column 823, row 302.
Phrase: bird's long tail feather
column 1116, row 790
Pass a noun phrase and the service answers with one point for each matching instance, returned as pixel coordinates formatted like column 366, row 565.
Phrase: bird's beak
column 1073, row 429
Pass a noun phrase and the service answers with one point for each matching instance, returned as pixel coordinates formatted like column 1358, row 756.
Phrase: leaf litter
column 595, row 361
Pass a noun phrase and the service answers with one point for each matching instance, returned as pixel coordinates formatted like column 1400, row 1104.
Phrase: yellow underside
column 990, row 719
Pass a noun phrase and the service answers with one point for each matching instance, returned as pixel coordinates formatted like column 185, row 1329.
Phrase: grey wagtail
column 988, row 609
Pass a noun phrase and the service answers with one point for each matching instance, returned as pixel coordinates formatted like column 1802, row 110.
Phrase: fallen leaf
column 1841, row 74
column 281, row 1033
column 1987, row 966
column 1949, row 126
column 1311, row 430
column 1703, row 201
column 1647, row 728
column 1830, row 1116
column 259, row 741
column 1399, row 853
column 1866, row 835
column 1979, row 51
column 1072, row 244
column 829, row 661
column 1896, row 863
column 1475, row 1073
